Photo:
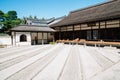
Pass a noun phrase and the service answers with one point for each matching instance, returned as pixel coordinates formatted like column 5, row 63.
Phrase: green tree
column 35, row 17
column 9, row 20
column 43, row 18
column 15, row 22
column 1, row 13
column 7, row 25
column 12, row 15
column 2, row 16
column 23, row 20
column 30, row 17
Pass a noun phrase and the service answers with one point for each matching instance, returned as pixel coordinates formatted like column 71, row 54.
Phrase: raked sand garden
column 59, row 62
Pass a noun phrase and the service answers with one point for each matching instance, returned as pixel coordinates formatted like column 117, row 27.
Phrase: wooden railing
column 85, row 42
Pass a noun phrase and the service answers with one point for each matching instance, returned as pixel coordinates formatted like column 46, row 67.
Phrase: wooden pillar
column 42, row 38
column 91, row 33
column 12, row 39
column 99, row 30
column 80, row 26
column 105, row 30
column 73, row 33
column 105, row 24
column 80, row 32
column 59, row 33
column 119, row 23
column 53, row 37
column 31, row 37
column 15, row 37
column 66, row 33
column 37, row 37
column 47, row 37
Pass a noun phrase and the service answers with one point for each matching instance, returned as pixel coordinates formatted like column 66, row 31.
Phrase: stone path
column 59, row 62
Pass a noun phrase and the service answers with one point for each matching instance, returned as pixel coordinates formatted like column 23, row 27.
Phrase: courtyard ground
column 59, row 62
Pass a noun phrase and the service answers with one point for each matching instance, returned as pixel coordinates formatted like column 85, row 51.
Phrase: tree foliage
column 35, row 17
column 12, row 15
column 1, row 14
column 8, row 20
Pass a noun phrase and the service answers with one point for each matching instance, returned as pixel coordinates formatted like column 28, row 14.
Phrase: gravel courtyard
column 59, row 62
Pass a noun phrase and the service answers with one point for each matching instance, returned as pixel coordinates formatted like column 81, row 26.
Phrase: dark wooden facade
column 102, row 30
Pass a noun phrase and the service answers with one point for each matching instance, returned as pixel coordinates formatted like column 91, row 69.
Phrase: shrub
column 1, row 46
column 51, row 42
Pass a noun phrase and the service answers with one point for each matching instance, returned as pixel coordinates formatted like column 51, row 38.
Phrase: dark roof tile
column 32, row 29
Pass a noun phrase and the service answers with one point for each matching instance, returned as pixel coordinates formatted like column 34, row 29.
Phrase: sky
column 45, row 8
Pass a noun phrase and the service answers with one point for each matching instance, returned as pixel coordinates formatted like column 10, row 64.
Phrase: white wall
column 16, row 38
column 5, row 40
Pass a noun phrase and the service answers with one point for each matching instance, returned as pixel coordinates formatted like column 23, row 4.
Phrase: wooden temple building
column 99, row 22
column 31, row 35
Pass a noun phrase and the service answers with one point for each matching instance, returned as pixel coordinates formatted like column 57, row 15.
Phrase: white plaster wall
column 5, row 40
column 17, row 38
column 29, row 22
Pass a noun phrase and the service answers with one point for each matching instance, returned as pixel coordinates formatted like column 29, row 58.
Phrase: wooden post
column 66, row 32
column 105, row 30
column 12, row 39
column 80, row 26
column 31, row 37
column 59, row 33
column 53, row 38
column 42, row 38
column 15, row 37
column 80, row 32
column 73, row 33
column 37, row 37
column 91, row 33
column 99, row 31
column 119, row 23
column 47, row 37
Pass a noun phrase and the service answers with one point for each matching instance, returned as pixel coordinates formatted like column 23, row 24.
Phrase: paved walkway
column 59, row 62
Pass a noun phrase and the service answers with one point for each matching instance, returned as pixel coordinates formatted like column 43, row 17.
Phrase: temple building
column 99, row 22
column 34, row 32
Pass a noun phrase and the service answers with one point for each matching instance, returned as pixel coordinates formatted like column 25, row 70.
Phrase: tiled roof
column 108, row 10
column 32, row 28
